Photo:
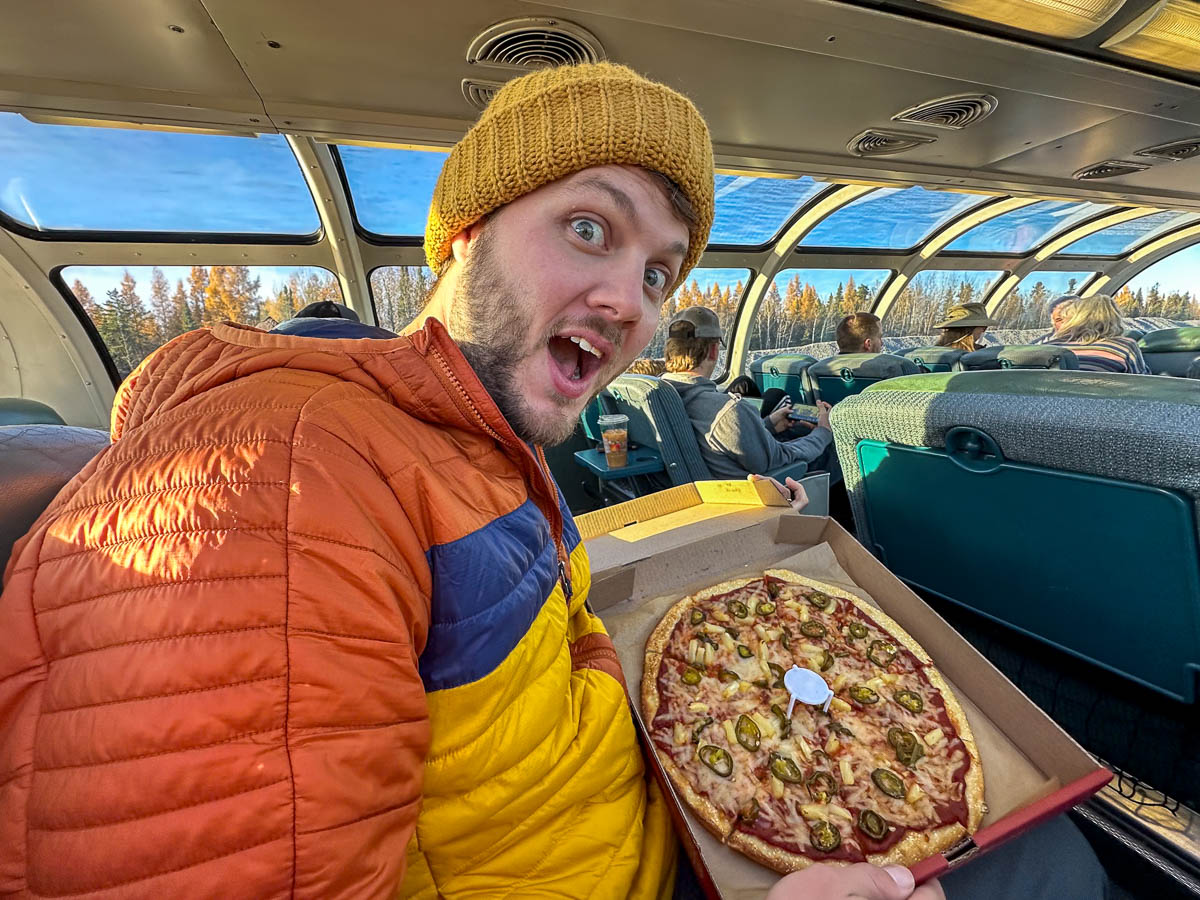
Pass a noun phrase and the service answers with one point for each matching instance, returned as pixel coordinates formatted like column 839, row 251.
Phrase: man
column 860, row 332
column 734, row 439
column 315, row 624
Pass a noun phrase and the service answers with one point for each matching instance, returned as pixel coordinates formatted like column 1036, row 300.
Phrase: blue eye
column 590, row 230
column 656, row 279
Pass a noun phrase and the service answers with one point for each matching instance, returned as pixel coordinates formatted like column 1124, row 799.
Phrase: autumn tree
column 86, row 300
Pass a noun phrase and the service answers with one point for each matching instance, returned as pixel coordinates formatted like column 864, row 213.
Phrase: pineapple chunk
column 698, row 707
column 681, row 734
column 765, row 725
column 745, row 686
column 753, row 606
column 762, row 653
column 814, row 810
column 691, row 654
column 802, row 746
column 803, row 611
column 720, row 615
column 810, row 648
column 776, row 788
column 935, row 737
column 914, row 793
column 846, row 771
column 875, row 684
column 761, row 631
column 727, row 641
column 832, row 745
column 729, row 690
column 890, row 677
column 730, row 733
column 839, row 683
column 839, row 704
column 766, row 669
column 713, row 629
column 840, row 812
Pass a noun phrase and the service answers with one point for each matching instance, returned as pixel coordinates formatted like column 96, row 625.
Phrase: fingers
column 930, row 890
column 787, row 494
column 861, row 881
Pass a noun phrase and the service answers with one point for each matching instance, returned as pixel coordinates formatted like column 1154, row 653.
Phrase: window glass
column 137, row 309
column 751, row 211
column 399, row 293
column 719, row 289
column 1120, row 239
column 929, row 294
column 804, row 306
column 78, row 178
column 1170, row 288
column 1025, row 306
column 1023, row 229
column 890, row 218
column 391, row 188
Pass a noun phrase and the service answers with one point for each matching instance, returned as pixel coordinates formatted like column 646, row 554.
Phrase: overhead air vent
column 1110, row 168
column 1185, row 149
column 949, row 112
column 878, row 142
column 534, row 43
column 480, row 93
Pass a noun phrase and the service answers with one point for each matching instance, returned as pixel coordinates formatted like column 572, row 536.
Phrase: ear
column 460, row 244
column 714, row 351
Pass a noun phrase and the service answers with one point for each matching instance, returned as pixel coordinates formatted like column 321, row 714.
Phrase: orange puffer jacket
column 314, row 626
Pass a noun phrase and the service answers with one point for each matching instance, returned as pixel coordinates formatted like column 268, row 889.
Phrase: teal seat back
column 846, row 374
column 589, row 418
column 657, row 418
column 934, row 359
column 785, row 371
column 1019, row 356
column 19, row 411
column 1066, row 507
column 1171, row 351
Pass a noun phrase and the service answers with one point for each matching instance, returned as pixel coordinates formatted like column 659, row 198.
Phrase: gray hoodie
column 734, row 439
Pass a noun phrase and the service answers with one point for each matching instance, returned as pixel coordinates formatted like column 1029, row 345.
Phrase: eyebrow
column 626, row 205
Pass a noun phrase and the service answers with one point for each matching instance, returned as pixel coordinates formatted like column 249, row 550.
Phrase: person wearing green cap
column 964, row 327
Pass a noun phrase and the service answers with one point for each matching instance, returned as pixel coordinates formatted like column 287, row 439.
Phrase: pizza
column 888, row 774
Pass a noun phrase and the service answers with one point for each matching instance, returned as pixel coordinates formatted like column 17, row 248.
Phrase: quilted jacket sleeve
column 222, row 696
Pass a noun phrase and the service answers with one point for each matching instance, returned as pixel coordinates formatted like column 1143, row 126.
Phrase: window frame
column 365, row 234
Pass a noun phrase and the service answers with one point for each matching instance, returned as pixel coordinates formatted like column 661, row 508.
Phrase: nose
column 618, row 294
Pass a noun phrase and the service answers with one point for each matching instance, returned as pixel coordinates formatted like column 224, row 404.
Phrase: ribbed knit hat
column 554, row 122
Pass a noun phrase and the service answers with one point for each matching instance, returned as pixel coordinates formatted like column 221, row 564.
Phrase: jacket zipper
column 543, row 467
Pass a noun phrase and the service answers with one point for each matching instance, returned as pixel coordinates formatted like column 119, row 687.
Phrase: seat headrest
column 19, row 411
column 933, row 355
column 1034, row 356
column 1194, row 369
column 783, row 363
column 865, row 365
column 1171, row 340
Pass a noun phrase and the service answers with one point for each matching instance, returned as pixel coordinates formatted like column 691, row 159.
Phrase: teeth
column 586, row 346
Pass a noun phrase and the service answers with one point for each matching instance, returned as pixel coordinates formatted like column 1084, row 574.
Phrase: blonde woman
column 1093, row 331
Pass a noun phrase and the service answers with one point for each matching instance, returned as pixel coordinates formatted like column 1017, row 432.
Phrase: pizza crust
column 709, row 815
column 976, row 807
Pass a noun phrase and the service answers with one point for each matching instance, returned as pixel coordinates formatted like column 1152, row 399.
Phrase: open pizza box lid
column 650, row 552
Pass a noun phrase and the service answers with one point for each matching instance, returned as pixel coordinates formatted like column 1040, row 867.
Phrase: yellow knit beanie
column 558, row 121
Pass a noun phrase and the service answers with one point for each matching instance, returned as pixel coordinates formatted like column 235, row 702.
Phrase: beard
column 492, row 328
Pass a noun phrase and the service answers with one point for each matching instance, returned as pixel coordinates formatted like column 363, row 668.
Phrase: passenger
column 646, row 366
column 1094, row 332
column 860, row 332
column 1059, row 308
column 964, row 327
column 734, row 438
column 320, row 595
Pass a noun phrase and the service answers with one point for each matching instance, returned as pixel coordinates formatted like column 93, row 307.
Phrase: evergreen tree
column 86, row 300
column 197, row 285
column 127, row 329
column 166, row 325
column 181, row 310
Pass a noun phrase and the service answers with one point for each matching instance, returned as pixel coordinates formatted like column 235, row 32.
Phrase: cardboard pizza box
column 650, row 552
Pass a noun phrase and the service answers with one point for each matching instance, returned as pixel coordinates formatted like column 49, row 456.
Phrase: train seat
column 841, row 376
column 934, row 359
column 658, row 419
column 785, row 371
column 20, row 411
column 36, row 460
column 1067, row 506
column 1171, row 351
column 1019, row 356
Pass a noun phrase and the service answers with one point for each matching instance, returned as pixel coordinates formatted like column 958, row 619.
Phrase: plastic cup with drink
column 614, row 434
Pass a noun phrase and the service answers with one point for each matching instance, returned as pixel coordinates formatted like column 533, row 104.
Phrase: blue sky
column 62, row 177
column 101, row 279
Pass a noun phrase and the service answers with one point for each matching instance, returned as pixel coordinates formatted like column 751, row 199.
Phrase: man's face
column 583, row 262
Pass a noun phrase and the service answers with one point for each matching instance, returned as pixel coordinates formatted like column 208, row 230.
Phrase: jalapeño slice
column 744, row 652
column 824, row 837
column 691, row 675
column 812, row 629
column 786, row 640
column 748, row 733
column 738, row 609
column 750, row 813
column 825, row 661
column 888, row 782
column 785, row 769
column 785, row 724
column 872, row 824
column 882, row 652
column 821, row 786
column 863, row 694
column 907, row 746
column 777, row 671
column 727, row 677
column 765, row 608
column 717, row 759
column 697, row 616
column 858, row 630
column 706, row 639
column 708, row 720
column 773, row 589
column 820, row 600
column 732, row 632
column 910, row 700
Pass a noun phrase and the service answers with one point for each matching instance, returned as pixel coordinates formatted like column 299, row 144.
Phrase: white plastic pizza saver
column 806, row 686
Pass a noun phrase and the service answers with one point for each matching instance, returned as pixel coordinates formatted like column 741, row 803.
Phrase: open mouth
column 574, row 363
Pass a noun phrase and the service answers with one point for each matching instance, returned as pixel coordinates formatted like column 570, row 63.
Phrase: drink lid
column 612, row 419
column 806, row 686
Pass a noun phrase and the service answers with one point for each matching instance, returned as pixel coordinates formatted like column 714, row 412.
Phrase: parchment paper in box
column 1011, row 780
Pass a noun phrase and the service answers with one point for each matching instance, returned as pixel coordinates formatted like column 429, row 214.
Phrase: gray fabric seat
column 1171, row 351
column 848, row 373
column 934, row 359
column 35, row 462
column 658, row 419
column 1033, row 356
column 20, row 411
column 1068, row 504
